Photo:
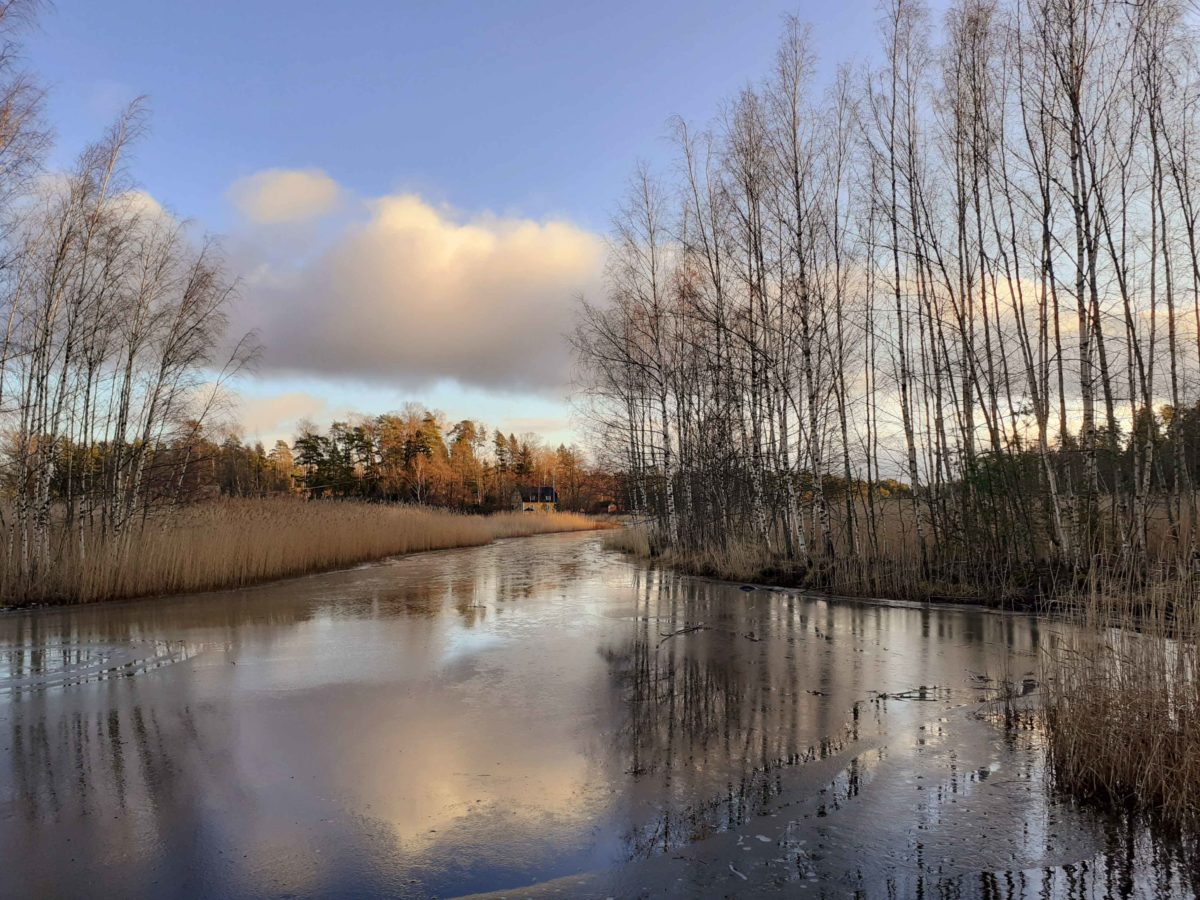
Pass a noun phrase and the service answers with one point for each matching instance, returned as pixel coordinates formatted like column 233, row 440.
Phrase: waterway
column 539, row 718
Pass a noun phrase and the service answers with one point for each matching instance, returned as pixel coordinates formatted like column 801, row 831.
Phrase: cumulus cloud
column 145, row 204
column 411, row 293
column 277, row 196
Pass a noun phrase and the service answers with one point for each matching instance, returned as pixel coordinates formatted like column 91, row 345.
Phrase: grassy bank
column 240, row 542
column 1121, row 678
column 897, row 573
column 1122, row 702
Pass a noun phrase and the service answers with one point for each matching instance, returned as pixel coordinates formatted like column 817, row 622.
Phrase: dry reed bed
column 896, row 573
column 241, row 542
column 1122, row 702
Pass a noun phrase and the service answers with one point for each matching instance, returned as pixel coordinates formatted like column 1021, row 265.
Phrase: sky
column 412, row 195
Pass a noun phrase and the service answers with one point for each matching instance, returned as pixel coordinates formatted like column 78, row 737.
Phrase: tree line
column 411, row 456
column 971, row 266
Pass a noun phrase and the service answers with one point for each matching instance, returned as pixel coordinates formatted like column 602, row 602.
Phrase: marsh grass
column 633, row 539
column 1122, row 701
column 234, row 543
column 895, row 573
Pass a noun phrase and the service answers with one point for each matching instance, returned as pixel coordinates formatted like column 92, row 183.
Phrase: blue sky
column 504, row 119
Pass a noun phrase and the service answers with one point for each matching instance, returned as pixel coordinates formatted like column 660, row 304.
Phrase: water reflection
column 536, row 714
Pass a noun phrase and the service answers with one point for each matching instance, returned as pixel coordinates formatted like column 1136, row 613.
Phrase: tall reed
column 1122, row 700
column 239, row 542
column 893, row 568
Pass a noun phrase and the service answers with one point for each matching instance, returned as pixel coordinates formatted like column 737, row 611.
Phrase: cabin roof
column 543, row 494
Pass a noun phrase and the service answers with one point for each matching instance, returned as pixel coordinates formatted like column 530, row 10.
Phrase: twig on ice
column 667, row 635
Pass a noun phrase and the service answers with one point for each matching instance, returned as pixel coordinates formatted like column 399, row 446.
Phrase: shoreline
column 50, row 608
column 244, row 544
column 793, row 581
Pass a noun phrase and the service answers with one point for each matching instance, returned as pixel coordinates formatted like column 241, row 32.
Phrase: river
column 538, row 718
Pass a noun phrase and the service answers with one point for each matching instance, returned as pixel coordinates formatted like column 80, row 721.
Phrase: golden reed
column 233, row 543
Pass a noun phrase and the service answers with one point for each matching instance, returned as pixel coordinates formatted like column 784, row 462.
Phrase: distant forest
column 409, row 456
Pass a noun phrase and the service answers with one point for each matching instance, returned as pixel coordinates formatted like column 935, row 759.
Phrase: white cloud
column 145, row 204
column 276, row 416
column 277, row 196
column 411, row 293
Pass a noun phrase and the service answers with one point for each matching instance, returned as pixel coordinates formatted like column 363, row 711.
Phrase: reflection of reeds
column 240, row 542
column 1121, row 685
column 1123, row 701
